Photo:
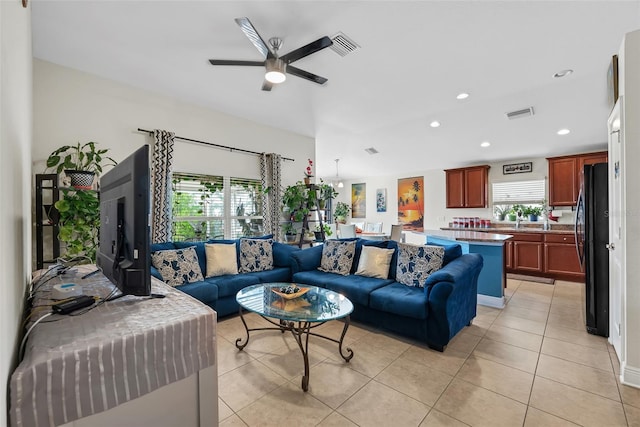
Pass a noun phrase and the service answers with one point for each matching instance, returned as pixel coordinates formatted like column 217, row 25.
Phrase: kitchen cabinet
column 527, row 253
column 467, row 187
column 561, row 258
column 565, row 176
column 508, row 254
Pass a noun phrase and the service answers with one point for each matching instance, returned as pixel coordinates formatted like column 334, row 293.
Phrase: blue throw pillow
column 417, row 262
column 177, row 266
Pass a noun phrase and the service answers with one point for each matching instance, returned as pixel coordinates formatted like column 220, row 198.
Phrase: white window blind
column 522, row 192
column 246, row 207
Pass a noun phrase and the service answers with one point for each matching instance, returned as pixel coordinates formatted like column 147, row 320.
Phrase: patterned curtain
column 270, row 173
column 161, row 185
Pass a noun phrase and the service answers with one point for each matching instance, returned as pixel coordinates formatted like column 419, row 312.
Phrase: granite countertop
column 557, row 229
column 468, row 235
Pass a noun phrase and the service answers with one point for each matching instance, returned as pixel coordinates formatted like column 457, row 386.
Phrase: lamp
column 275, row 70
column 340, row 183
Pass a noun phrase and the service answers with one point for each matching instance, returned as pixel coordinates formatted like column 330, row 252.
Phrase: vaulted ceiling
column 414, row 58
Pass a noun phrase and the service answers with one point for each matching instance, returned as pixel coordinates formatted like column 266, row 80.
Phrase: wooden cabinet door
column 455, row 188
column 508, row 254
column 563, row 184
column 476, row 187
column 561, row 259
column 589, row 159
column 527, row 256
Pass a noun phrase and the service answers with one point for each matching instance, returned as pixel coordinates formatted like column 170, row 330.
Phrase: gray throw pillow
column 417, row 262
column 337, row 256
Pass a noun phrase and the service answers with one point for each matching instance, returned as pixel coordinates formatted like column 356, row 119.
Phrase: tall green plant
column 79, row 223
column 79, row 157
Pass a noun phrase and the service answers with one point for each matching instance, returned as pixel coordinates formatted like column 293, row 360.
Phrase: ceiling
column 414, row 58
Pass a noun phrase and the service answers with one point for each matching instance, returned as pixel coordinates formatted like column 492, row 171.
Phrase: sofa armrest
column 155, row 273
column 306, row 259
column 452, row 293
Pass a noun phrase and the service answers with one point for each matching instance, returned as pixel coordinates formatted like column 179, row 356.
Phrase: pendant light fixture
column 340, row 183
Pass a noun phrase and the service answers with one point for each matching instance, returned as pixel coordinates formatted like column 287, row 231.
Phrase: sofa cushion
column 451, row 251
column 204, row 291
column 400, row 299
column 337, row 256
column 221, row 259
column 361, row 243
column 277, row 274
column 155, row 247
column 282, row 254
column 256, row 255
column 374, row 262
column 356, row 288
column 313, row 277
column 177, row 266
column 417, row 262
column 199, row 251
column 230, row 284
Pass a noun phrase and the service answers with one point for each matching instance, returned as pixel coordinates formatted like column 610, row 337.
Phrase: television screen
column 123, row 254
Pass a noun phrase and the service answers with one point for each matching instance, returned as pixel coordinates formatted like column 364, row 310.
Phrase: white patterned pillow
column 256, row 255
column 177, row 266
column 337, row 256
column 221, row 259
column 417, row 262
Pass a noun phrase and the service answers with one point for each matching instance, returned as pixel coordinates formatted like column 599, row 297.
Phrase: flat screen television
column 123, row 255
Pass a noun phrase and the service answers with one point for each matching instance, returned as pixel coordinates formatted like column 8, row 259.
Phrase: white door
column 616, row 228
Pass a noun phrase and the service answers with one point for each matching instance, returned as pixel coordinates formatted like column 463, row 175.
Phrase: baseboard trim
column 630, row 376
column 495, row 302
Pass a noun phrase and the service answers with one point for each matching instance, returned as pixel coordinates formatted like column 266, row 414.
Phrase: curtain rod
column 225, row 147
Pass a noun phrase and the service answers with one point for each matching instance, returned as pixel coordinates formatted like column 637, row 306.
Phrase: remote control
column 73, row 305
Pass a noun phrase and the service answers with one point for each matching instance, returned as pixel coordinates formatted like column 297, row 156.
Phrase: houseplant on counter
column 533, row 212
column 80, row 162
column 341, row 212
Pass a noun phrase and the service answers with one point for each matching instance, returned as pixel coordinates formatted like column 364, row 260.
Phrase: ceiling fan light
column 275, row 71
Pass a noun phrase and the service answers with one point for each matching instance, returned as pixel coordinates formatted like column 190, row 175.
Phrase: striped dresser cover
column 76, row 366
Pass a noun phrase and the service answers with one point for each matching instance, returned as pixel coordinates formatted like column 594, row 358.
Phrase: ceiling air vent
column 371, row 150
column 343, row 45
column 526, row 112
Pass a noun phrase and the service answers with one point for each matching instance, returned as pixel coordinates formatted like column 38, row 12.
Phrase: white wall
column 71, row 106
column 436, row 214
column 15, row 181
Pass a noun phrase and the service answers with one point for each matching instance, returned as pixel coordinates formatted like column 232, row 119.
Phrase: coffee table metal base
column 301, row 332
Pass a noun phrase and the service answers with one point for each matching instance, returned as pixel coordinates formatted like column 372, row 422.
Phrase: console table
column 130, row 361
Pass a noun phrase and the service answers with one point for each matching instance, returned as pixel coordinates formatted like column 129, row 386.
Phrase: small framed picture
column 381, row 200
column 517, row 168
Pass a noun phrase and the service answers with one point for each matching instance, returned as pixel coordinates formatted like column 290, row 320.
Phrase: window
column 524, row 194
column 214, row 207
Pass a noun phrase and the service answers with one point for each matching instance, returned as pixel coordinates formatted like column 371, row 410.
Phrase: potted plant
column 533, row 212
column 319, row 230
column 514, row 212
column 325, row 192
column 80, row 162
column 341, row 212
column 298, row 198
column 501, row 211
column 79, row 222
column 289, row 232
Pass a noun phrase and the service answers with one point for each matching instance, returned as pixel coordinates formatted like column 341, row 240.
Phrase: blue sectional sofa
column 433, row 314
column 219, row 292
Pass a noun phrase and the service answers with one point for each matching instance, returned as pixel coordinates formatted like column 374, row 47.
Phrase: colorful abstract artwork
column 411, row 203
column 359, row 200
column 381, row 200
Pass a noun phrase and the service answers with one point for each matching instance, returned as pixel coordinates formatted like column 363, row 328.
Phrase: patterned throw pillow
column 256, row 255
column 374, row 262
column 417, row 262
column 221, row 259
column 177, row 266
column 337, row 256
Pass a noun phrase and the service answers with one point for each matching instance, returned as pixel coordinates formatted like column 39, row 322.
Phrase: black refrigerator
column 592, row 237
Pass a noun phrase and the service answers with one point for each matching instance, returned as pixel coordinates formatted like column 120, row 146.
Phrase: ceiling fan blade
column 306, row 75
column 235, row 62
column 248, row 29
column 267, row 85
column 307, row 50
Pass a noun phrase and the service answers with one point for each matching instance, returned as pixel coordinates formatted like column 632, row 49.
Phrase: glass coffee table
column 299, row 313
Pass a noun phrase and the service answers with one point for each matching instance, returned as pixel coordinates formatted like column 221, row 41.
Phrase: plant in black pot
column 80, row 162
column 289, row 232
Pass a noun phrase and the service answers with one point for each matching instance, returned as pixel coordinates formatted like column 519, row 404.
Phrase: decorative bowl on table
column 290, row 292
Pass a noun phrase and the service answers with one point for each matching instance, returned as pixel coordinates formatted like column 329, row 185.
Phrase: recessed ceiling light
column 562, row 73
column 564, row 132
column 485, row 144
column 434, row 124
column 462, row 95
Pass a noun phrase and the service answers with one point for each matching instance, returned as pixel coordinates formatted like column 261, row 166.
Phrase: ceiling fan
column 276, row 66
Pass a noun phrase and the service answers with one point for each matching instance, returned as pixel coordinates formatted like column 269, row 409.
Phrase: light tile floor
column 530, row 364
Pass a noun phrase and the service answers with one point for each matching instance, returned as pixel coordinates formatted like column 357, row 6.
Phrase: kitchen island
column 493, row 279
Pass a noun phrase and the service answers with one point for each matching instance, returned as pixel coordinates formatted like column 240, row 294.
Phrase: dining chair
column 346, row 230
column 359, row 225
column 396, row 232
column 373, row 227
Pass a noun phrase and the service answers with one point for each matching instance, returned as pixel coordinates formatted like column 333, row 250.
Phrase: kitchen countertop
column 506, row 230
column 467, row 235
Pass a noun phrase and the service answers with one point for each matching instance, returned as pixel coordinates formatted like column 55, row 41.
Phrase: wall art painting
column 411, row 203
column 381, row 200
column 359, row 200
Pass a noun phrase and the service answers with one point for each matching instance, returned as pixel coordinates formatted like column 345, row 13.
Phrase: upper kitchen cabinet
column 467, row 187
column 565, row 176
